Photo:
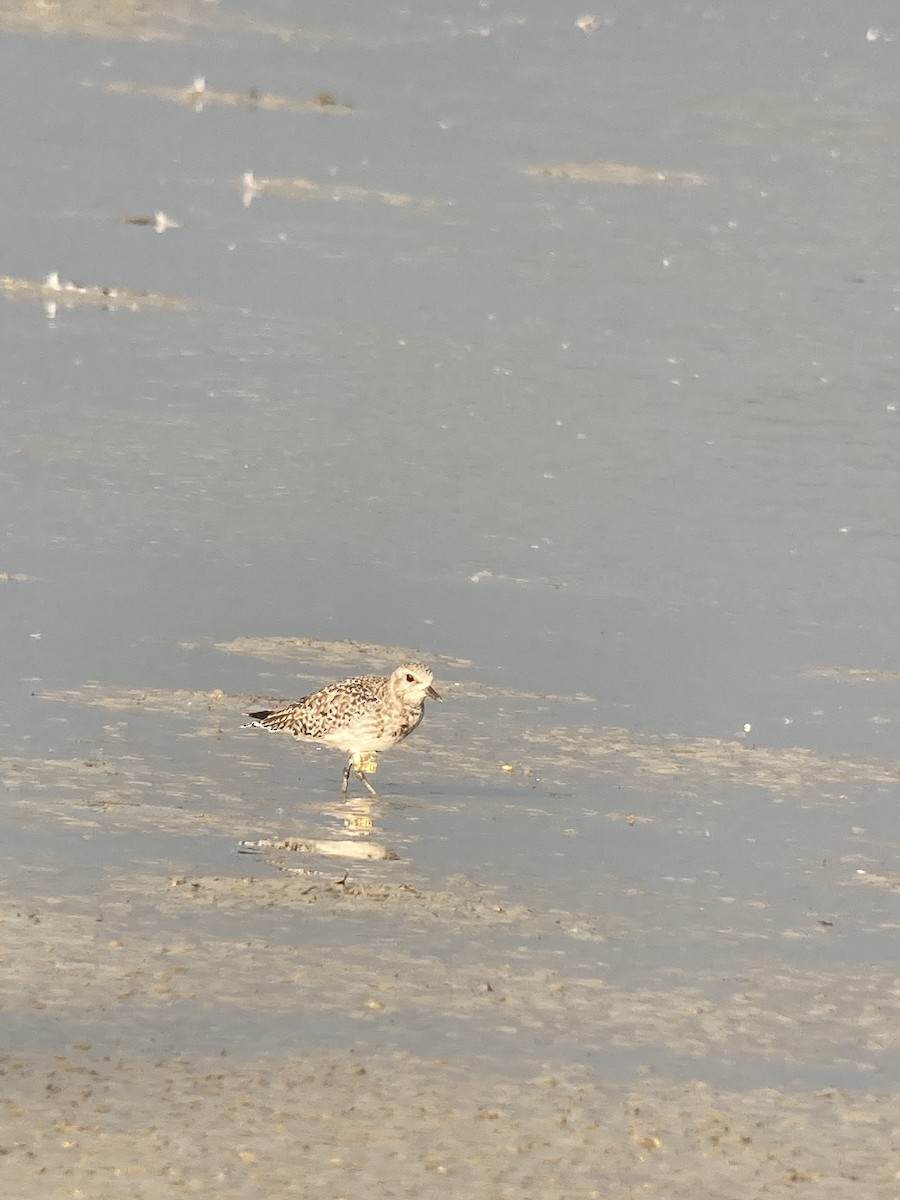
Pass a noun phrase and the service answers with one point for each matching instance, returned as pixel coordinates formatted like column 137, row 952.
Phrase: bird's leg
column 359, row 762
column 361, row 775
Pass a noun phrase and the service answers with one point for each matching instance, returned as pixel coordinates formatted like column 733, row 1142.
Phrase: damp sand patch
column 238, row 952
column 143, row 21
column 854, row 674
column 197, row 96
column 685, row 765
column 468, row 902
column 144, row 953
column 260, row 945
column 54, row 294
column 611, row 172
column 363, row 654
column 140, row 797
column 299, row 188
column 158, row 700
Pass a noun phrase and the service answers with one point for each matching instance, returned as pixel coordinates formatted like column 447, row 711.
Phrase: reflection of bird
column 359, row 716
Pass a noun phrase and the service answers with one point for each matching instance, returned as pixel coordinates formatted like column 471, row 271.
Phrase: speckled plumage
column 360, row 716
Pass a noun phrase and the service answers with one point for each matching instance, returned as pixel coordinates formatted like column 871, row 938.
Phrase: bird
column 360, row 716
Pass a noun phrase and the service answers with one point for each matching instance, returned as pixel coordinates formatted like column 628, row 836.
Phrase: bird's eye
column 410, row 678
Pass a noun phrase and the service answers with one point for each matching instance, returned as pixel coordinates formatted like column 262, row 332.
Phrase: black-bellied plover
column 359, row 716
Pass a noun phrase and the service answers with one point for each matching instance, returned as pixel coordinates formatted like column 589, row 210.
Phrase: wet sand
column 333, row 1125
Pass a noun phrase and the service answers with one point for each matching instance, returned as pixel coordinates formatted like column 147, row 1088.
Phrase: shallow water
column 616, row 458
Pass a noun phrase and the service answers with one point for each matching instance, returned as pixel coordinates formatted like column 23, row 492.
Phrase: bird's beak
column 433, row 694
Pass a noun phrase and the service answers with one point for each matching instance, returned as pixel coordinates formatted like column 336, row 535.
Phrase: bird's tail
column 257, row 719
column 272, row 719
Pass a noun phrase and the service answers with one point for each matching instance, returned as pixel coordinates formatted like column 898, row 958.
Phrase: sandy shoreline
column 400, row 1127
